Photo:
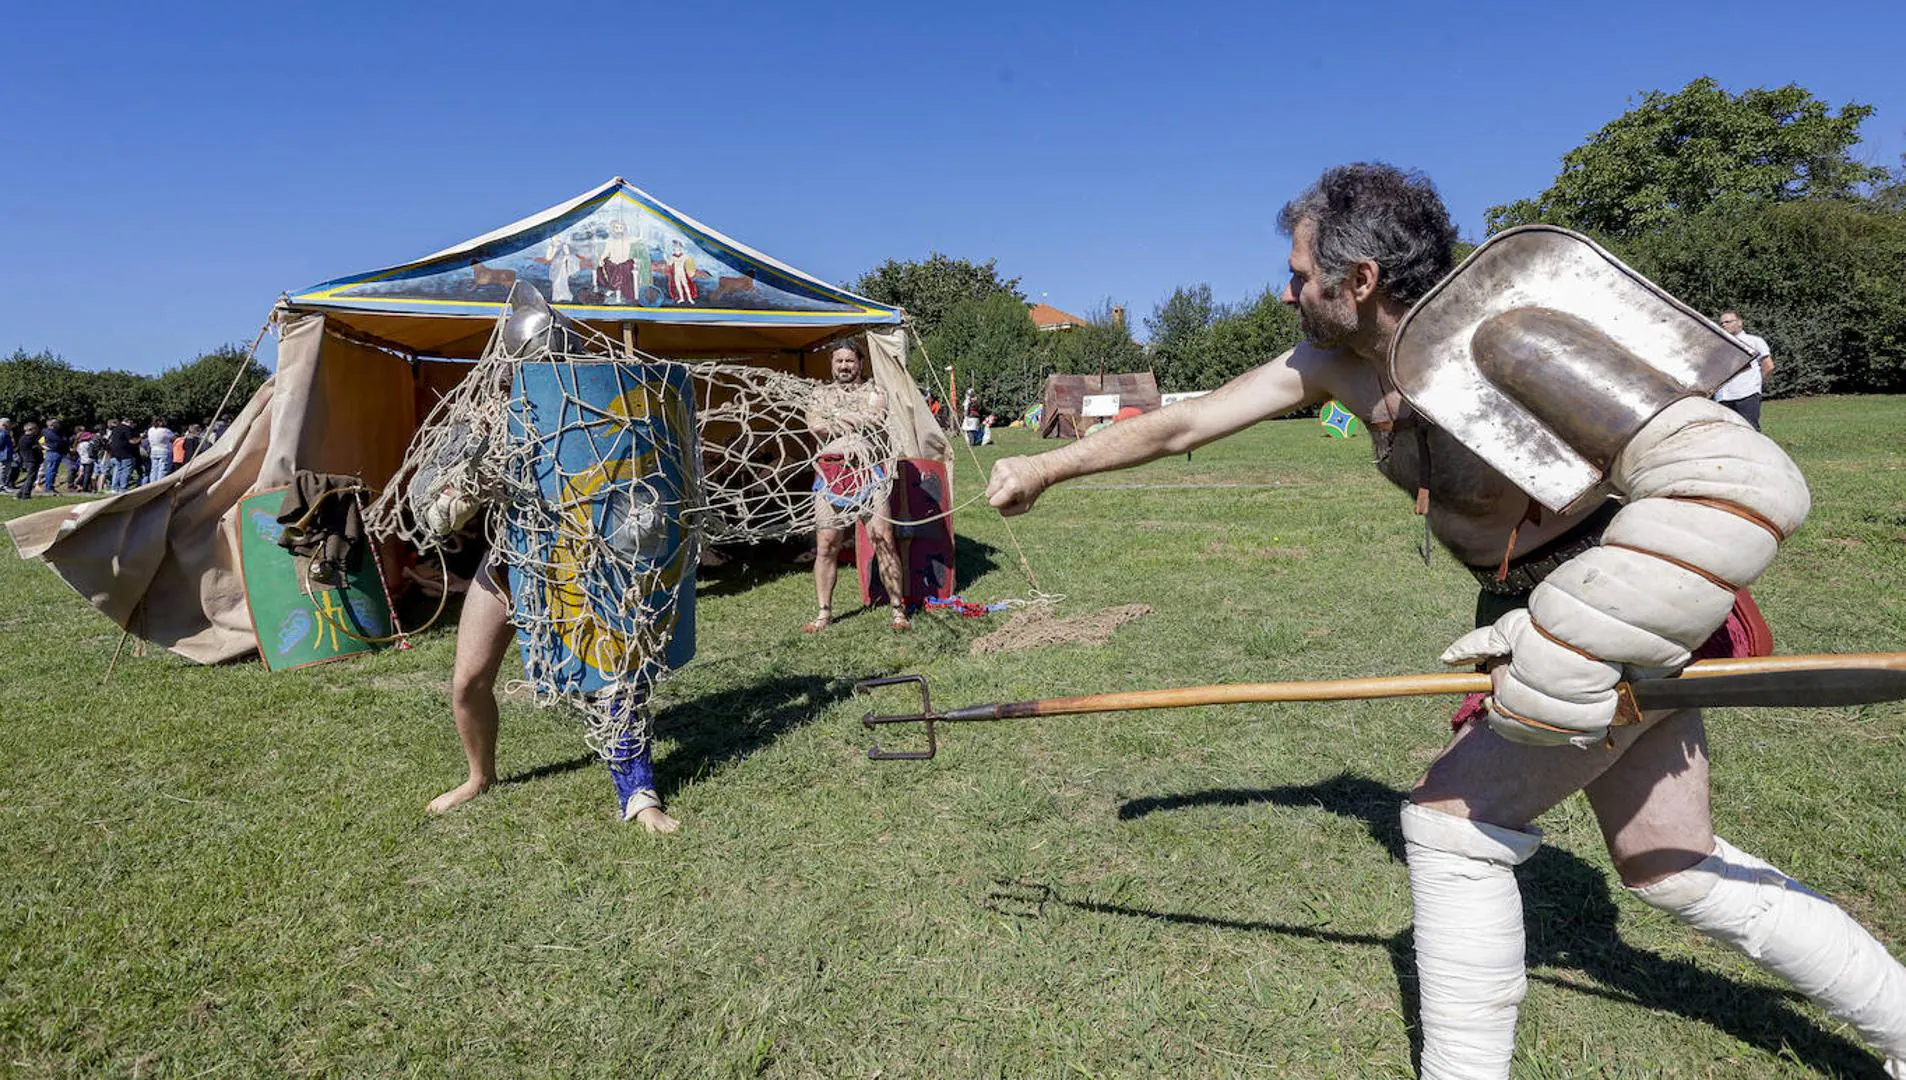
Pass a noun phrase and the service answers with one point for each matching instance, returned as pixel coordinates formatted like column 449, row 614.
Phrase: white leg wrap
column 1662, row 581
column 1797, row 934
column 1469, row 957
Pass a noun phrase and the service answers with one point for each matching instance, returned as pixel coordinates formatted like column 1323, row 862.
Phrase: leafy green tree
column 1180, row 330
column 994, row 349
column 37, row 386
column 122, row 395
column 930, row 288
column 1890, row 193
column 1681, row 153
column 1200, row 345
column 1103, row 343
column 1247, row 335
column 1823, row 280
column 191, row 392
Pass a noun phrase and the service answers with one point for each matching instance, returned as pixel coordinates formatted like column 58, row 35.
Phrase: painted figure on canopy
column 563, row 262
column 681, row 274
column 618, row 256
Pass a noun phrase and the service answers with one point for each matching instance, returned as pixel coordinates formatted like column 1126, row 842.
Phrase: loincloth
column 844, row 494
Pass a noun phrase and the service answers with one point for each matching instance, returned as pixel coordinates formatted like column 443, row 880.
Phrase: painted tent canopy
column 612, row 254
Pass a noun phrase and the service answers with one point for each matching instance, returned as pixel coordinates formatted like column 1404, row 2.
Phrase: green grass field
column 222, row 872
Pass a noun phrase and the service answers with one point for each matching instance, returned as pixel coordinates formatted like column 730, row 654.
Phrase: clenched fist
column 1015, row 484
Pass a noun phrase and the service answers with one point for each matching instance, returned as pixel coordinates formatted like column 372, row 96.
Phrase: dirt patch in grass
column 1038, row 626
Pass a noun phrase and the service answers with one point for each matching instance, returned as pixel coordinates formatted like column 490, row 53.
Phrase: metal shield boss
column 1544, row 355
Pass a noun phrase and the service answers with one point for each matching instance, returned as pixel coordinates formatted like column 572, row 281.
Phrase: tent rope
column 243, row 367
column 1039, row 595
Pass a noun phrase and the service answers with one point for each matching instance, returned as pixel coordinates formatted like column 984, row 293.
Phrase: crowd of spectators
column 116, row 457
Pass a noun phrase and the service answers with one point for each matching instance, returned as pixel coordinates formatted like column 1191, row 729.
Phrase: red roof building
column 1047, row 317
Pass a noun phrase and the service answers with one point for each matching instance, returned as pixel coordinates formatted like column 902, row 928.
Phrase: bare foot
column 654, row 820
column 459, row 795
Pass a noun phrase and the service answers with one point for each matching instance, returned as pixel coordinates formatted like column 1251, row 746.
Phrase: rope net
column 597, row 472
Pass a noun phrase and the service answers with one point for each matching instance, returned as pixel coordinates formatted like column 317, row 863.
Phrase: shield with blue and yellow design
column 599, row 545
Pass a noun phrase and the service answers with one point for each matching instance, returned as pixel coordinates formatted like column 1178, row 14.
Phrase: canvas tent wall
column 1066, row 394
column 361, row 359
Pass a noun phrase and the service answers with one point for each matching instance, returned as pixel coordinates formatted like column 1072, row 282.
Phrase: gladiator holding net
column 596, row 473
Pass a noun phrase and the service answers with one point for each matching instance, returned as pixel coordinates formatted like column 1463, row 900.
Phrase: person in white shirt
column 159, row 445
column 1742, row 392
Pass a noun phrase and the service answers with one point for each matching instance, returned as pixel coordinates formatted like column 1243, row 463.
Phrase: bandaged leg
column 634, row 777
column 1469, row 941
column 1708, row 501
column 633, row 772
column 1797, row 934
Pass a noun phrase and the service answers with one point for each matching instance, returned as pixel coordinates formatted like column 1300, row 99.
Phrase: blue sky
column 170, row 169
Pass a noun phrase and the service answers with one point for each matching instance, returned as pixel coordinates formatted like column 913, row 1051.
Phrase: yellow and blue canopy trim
column 613, row 254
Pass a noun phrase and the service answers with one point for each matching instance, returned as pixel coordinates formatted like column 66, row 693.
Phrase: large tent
column 1066, row 394
column 362, row 358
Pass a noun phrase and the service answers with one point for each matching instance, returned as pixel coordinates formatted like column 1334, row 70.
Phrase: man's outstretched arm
column 1289, row 382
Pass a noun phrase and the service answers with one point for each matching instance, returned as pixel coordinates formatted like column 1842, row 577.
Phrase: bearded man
column 1637, row 566
column 849, row 486
column 617, row 261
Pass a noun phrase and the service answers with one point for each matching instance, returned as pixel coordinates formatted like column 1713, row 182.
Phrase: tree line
column 1753, row 202
column 974, row 319
column 40, row 386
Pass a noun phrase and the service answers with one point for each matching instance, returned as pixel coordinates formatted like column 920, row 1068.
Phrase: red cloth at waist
column 1745, row 633
column 838, row 477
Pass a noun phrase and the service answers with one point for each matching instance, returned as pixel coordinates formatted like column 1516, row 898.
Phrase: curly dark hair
column 1375, row 211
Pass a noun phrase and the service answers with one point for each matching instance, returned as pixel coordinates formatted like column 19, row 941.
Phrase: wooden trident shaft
column 1822, row 679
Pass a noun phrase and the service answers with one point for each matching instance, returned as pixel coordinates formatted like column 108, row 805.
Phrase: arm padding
column 1664, row 578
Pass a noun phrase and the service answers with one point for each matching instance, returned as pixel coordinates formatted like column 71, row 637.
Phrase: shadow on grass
column 1569, row 918
column 747, row 566
column 720, row 727
column 972, row 559
column 554, row 768
column 717, row 728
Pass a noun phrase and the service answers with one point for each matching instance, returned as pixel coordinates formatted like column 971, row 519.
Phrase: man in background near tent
column 159, row 449
column 55, row 444
column 85, row 451
column 1742, row 393
column 31, row 454
column 1705, row 501
column 120, row 440
column 8, row 454
column 483, row 639
column 841, row 409
column 186, row 446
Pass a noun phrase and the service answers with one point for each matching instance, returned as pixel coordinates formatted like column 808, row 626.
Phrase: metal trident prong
column 925, row 716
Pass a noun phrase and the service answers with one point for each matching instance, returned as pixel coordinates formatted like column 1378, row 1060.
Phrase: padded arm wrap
column 1706, row 494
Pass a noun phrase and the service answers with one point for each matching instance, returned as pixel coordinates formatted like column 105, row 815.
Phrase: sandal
column 820, row 623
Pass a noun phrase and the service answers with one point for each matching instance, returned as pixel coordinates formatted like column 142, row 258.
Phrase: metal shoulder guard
column 1546, row 355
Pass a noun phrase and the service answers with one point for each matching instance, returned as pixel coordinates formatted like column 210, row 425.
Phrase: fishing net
column 597, row 473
